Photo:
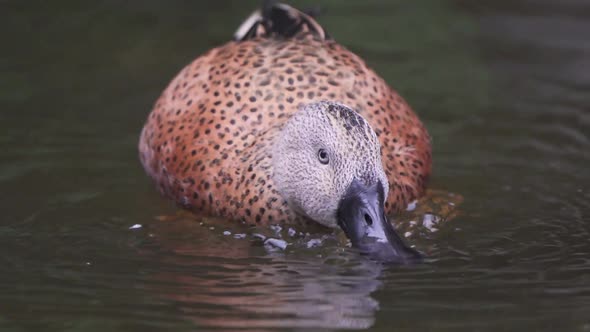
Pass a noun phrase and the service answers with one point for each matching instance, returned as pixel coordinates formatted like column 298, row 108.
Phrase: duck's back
column 207, row 141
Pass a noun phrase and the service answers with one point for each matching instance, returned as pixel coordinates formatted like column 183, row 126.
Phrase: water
column 501, row 87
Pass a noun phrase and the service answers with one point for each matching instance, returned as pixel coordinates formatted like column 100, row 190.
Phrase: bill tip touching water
column 285, row 126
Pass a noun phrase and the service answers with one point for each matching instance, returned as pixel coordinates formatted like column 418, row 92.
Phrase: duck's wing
column 278, row 20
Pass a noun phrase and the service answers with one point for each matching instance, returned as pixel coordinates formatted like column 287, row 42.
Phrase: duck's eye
column 323, row 156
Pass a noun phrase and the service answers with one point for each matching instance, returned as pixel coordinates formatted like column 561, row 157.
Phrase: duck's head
column 327, row 165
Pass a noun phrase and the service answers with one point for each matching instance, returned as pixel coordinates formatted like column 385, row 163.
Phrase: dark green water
column 503, row 89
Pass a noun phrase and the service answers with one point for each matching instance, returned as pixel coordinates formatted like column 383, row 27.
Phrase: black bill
column 362, row 217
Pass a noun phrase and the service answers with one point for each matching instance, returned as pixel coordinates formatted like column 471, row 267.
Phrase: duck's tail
column 276, row 19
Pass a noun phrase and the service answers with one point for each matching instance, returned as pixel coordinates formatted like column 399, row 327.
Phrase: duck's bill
column 362, row 217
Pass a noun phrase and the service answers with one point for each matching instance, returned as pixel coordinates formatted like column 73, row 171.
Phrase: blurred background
column 502, row 87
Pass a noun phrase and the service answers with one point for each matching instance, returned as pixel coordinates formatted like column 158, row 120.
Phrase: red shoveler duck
column 283, row 125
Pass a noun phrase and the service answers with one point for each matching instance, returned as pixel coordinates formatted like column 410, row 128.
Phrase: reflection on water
column 225, row 290
column 501, row 86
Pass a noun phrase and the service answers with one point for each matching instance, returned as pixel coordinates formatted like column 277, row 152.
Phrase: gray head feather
column 311, row 187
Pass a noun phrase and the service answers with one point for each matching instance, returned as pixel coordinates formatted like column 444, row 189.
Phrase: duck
column 284, row 126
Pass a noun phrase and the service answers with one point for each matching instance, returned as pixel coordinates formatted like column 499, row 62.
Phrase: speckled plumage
column 208, row 140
